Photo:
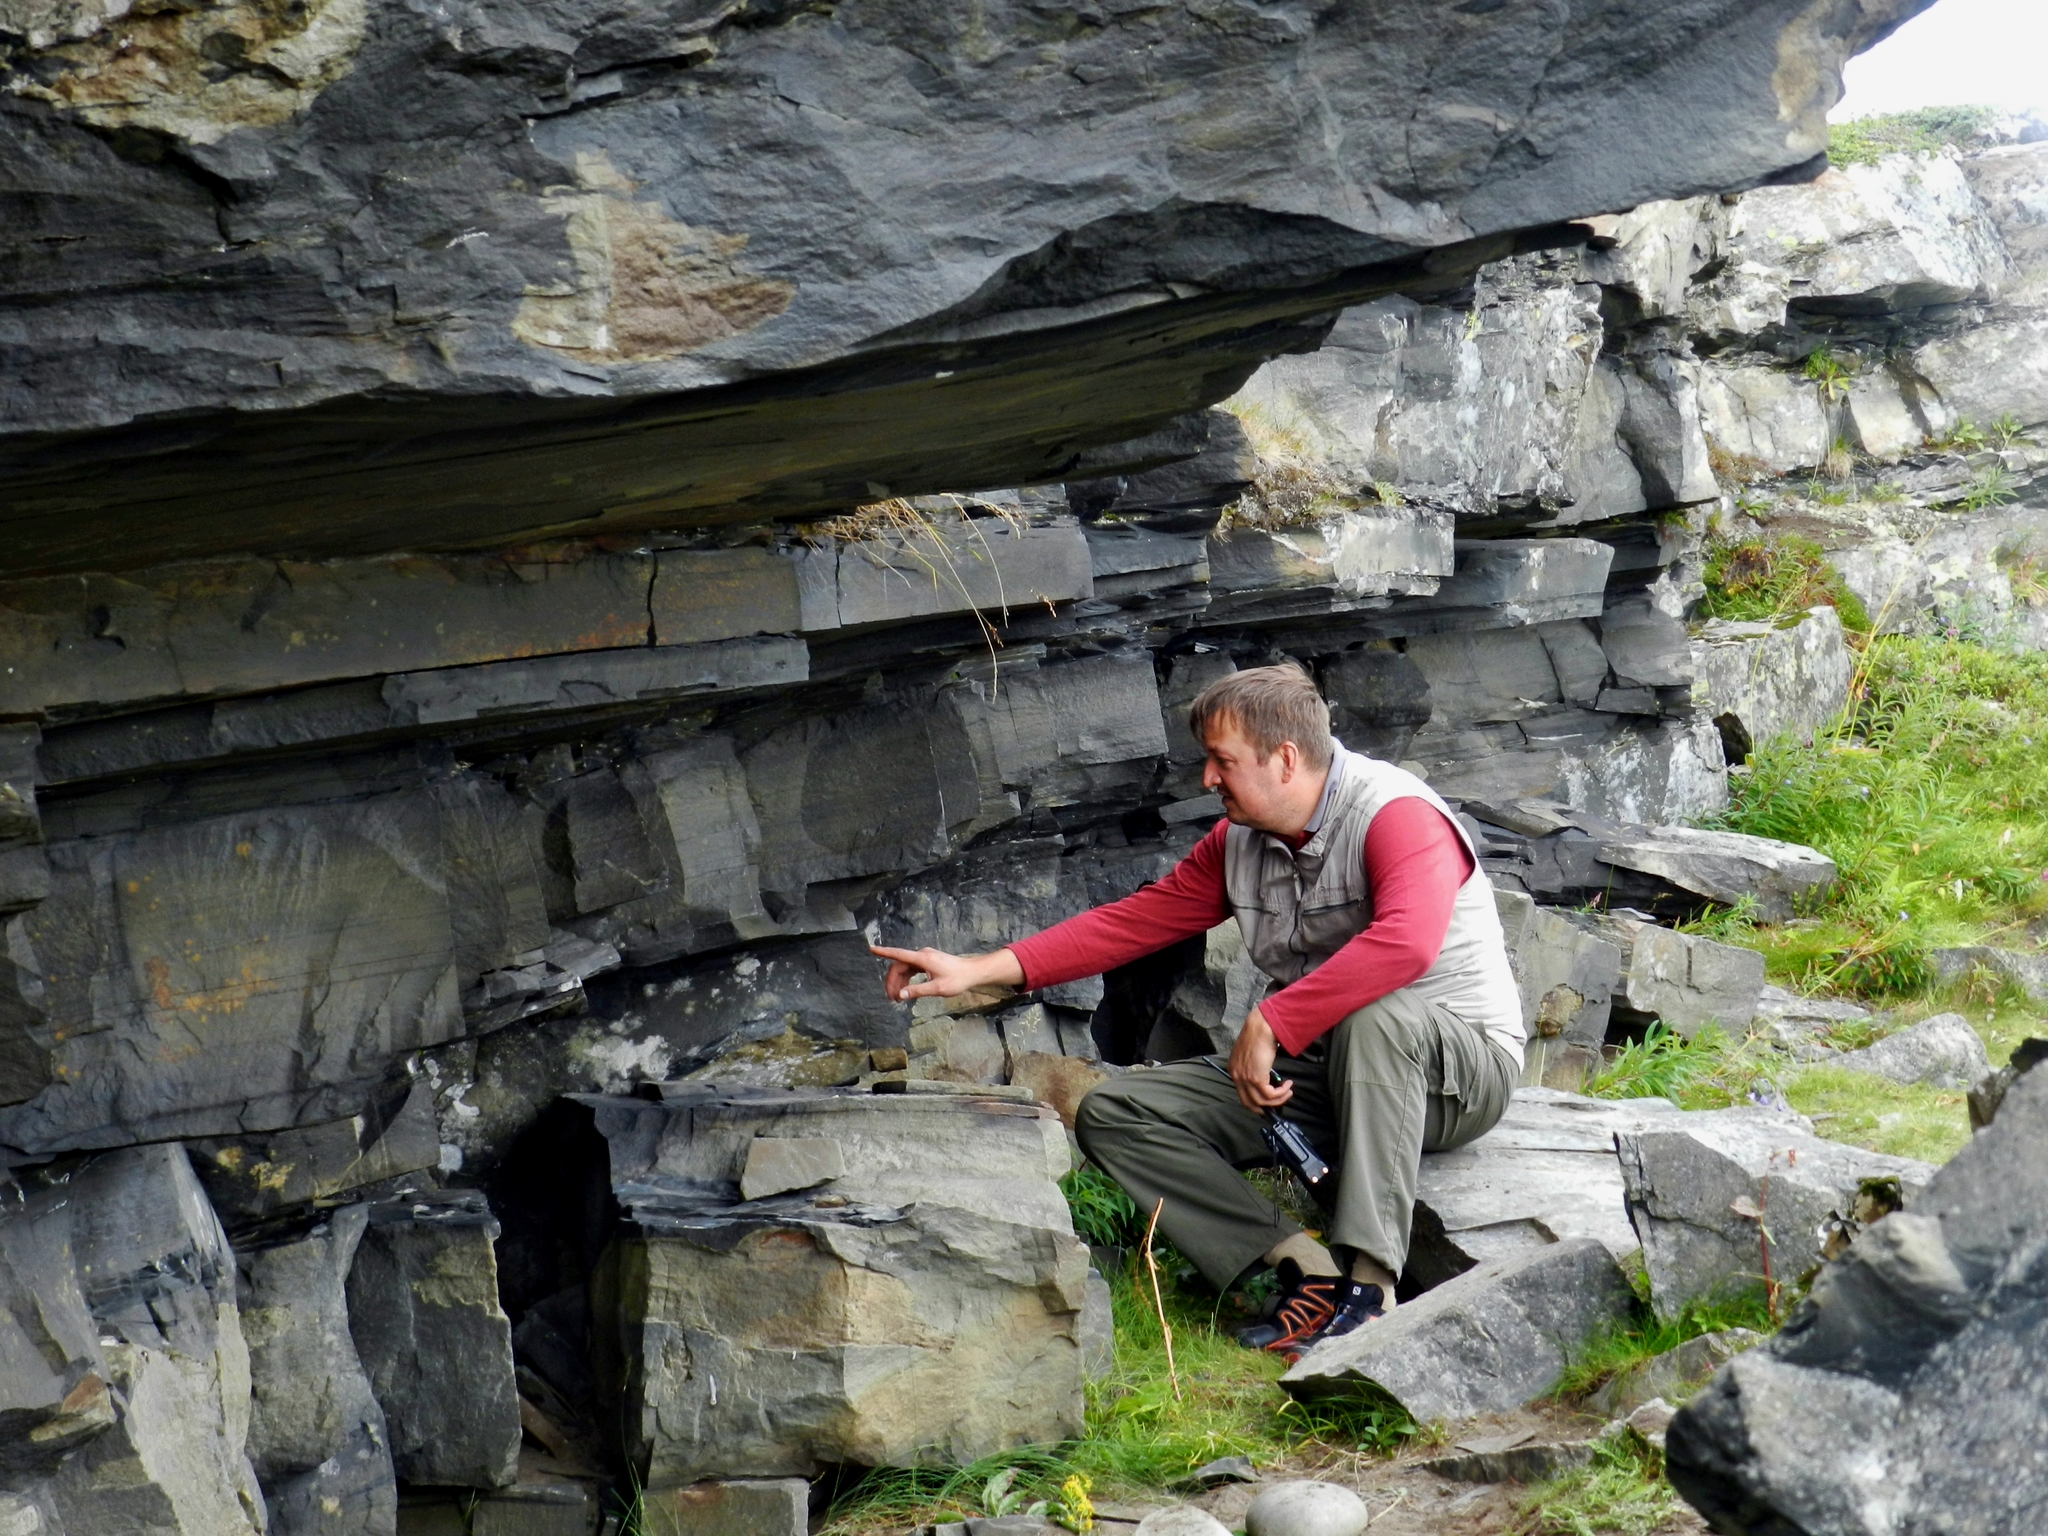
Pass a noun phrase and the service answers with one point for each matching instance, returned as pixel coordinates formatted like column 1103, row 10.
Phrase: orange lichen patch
column 645, row 287
column 196, row 73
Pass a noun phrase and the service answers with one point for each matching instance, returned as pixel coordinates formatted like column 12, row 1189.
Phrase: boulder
column 2027, row 972
column 1987, row 1095
column 1941, row 1052
column 1906, row 1385
column 1760, row 681
column 251, row 1177
column 1545, row 1173
column 1305, row 1509
column 316, row 1434
column 929, row 1303
column 437, row 1347
column 1674, row 1374
column 1490, row 1340
column 1725, row 1198
column 1519, row 1457
column 1795, row 1022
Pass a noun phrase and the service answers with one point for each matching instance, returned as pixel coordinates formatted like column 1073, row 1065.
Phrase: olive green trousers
column 1393, row 1080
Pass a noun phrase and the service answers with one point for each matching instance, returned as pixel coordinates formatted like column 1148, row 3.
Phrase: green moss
column 1924, row 131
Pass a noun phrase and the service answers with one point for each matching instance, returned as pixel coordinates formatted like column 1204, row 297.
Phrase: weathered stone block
column 315, row 1430
column 1490, row 1340
column 1686, row 981
column 437, row 1347
column 952, row 566
column 1724, row 866
column 1910, row 1376
column 736, row 1507
column 777, row 1164
column 928, row 1307
column 702, row 595
column 249, row 1177
column 598, row 680
column 1711, row 1197
column 1761, row 681
column 183, row 631
column 1567, row 979
column 238, row 972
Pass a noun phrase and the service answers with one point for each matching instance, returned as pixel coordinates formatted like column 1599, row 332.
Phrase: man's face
column 1254, row 792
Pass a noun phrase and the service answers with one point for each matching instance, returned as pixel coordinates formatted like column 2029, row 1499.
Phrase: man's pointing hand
column 945, row 975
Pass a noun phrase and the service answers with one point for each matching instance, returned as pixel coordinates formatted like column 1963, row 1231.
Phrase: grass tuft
column 1622, row 1492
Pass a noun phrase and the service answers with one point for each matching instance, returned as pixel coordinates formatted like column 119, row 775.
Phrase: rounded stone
column 1305, row 1509
column 1181, row 1520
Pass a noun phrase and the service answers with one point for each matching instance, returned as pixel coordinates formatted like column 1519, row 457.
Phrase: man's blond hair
column 1268, row 705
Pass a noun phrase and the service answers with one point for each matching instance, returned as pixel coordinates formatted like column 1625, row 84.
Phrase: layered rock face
column 278, row 282
column 425, row 751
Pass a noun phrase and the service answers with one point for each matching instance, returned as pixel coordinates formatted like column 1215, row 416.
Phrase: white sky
column 1955, row 53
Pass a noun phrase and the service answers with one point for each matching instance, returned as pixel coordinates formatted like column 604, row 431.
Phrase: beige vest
column 1296, row 909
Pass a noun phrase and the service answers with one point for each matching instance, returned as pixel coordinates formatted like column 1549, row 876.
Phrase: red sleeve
column 1415, row 862
column 1188, row 901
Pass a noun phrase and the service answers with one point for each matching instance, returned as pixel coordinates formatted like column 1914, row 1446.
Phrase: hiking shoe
column 1358, row 1305
column 1307, row 1303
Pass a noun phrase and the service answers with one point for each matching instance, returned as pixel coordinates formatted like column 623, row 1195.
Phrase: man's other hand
column 1251, row 1066
column 945, row 975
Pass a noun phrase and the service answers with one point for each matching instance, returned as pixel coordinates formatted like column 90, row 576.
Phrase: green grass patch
column 1926, row 130
column 1932, row 802
column 1713, row 1070
column 1864, row 1110
column 1648, row 1336
column 1622, row 1492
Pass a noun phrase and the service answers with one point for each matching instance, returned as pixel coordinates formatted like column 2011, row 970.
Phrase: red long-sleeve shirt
column 1414, row 862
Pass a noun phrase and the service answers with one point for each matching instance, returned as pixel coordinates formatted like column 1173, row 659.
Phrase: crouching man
column 1392, row 1017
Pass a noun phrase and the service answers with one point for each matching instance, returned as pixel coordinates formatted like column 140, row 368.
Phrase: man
column 1393, row 1018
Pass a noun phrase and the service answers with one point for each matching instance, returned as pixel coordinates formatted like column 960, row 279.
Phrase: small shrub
column 1991, row 486
column 1829, row 373
column 2007, row 432
column 1622, row 1492
column 1775, row 577
column 1963, row 437
column 1885, row 493
column 1927, row 130
column 1103, row 1214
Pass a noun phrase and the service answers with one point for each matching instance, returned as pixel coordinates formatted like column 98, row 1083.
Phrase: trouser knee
column 1097, row 1118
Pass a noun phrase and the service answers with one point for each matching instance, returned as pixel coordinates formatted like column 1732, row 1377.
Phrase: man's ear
column 1290, row 760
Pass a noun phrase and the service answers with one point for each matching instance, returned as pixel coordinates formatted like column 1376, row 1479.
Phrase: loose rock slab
column 1488, row 1341
column 1941, row 1052
column 1545, row 1173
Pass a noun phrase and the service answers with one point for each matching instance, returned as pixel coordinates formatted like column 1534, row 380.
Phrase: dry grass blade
column 1158, row 1301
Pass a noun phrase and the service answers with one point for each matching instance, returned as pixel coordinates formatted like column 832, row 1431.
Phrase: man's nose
column 1211, row 779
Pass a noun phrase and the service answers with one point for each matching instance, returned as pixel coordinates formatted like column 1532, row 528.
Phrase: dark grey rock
column 2028, row 972
column 1710, row 1196
column 351, row 1493
column 1762, row 681
column 151, row 1433
column 437, row 1347
column 1988, row 1093
column 1520, row 1458
column 1672, row 1374
column 1906, row 1376
column 1941, row 1052
column 250, row 1177
column 1724, row 866
column 1687, row 982
column 1490, row 1340
column 541, row 1506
